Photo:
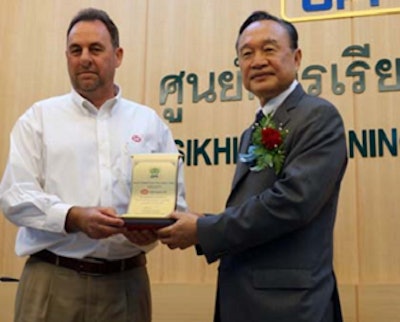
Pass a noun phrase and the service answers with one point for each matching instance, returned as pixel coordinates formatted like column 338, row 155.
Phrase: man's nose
column 259, row 59
column 86, row 57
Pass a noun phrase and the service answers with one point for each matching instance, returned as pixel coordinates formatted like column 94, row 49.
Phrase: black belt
column 92, row 266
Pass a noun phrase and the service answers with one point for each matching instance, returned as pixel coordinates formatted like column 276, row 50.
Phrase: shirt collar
column 272, row 105
column 89, row 108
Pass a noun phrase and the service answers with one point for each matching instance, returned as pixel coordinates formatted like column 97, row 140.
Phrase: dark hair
column 91, row 14
column 263, row 15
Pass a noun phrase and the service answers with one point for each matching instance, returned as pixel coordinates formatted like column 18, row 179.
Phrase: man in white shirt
column 67, row 180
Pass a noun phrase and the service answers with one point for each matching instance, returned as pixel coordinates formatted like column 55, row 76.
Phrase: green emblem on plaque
column 154, row 172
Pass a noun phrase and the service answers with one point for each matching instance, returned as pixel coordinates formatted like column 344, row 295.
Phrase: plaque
column 154, row 190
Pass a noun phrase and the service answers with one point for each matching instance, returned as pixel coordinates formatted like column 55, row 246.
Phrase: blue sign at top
column 311, row 6
column 313, row 10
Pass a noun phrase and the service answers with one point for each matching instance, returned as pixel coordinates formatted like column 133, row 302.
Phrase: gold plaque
column 154, row 190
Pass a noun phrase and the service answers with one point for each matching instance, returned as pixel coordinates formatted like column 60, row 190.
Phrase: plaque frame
column 154, row 189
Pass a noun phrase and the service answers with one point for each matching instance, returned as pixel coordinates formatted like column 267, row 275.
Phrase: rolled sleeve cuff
column 56, row 216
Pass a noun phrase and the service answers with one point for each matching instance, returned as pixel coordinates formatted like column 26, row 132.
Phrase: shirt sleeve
column 22, row 197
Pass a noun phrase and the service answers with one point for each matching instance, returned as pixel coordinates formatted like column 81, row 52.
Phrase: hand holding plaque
column 154, row 190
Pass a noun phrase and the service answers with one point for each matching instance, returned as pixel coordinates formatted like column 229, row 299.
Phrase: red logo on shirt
column 144, row 191
column 136, row 138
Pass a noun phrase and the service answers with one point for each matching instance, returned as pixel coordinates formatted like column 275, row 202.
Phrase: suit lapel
column 281, row 118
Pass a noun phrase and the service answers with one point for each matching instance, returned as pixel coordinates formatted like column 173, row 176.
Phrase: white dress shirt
column 64, row 152
column 272, row 105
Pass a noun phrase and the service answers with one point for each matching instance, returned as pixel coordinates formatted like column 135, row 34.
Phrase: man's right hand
column 96, row 222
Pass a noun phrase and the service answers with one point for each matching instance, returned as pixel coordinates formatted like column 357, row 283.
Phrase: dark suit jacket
column 275, row 237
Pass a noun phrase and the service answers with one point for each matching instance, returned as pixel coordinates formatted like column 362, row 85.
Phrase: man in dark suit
column 275, row 238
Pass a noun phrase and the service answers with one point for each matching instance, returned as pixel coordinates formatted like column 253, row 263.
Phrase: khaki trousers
column 49, row 293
